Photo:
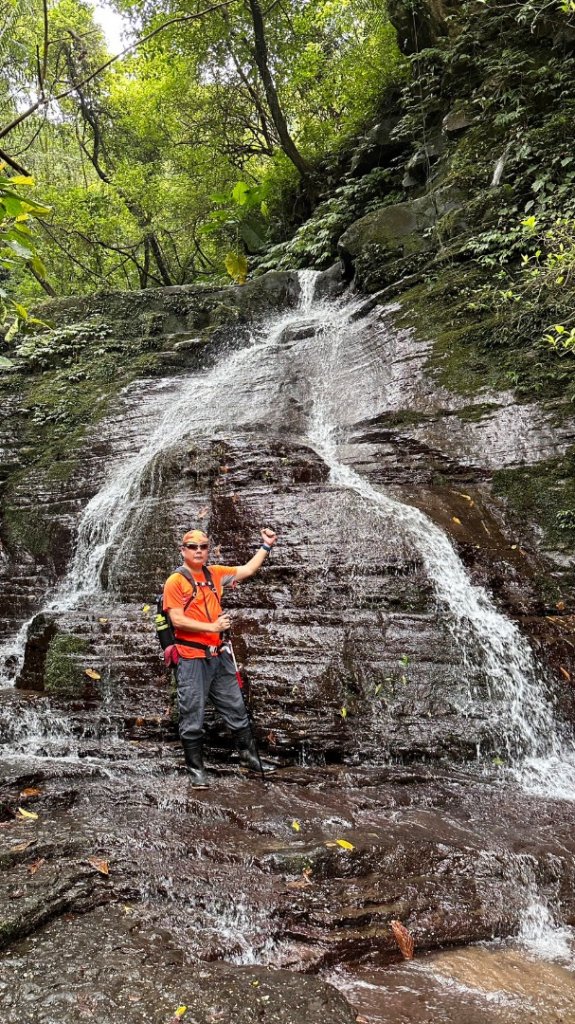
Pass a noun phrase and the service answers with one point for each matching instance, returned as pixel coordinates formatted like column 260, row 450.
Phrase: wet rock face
column 339, row 636
column 359, row 690
column 172, row 897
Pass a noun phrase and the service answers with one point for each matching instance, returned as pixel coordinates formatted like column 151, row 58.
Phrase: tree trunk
column 261, row 56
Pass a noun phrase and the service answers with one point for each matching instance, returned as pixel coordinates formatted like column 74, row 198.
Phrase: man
column 206, row 667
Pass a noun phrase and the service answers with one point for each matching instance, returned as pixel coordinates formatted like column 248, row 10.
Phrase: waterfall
column 304, row 357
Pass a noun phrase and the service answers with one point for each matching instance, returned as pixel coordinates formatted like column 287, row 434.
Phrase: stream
column 406, row 713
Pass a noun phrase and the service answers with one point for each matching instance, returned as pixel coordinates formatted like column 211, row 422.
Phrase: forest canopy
column 188, row 153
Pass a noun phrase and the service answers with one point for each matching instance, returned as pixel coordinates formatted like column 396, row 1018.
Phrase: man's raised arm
column 245, row 571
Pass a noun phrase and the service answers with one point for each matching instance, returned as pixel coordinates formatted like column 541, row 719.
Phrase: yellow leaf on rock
column 454, row 519
column 145, row 609
column 31, row 791
column 103, row 620
column 566, row 675
column 296, row 826
column 91, row 673
column 344, row 844
column 343, row 712
column 181, row 1011
column 99, row 865
column 27, row 814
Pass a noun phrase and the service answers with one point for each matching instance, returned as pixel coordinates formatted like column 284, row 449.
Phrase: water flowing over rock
column 396, row 690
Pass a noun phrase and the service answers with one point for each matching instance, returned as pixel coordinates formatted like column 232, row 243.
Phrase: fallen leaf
column 485, row 528
column 296, row 826
column 566, row 675
column 145, row 609
column 344, row 844
column 560, row 606
column 514, row 547
column 103, row 621
column 31, row 791
column 343, row 712
column 454, row 519
column 91, row 673
column 22, row 846
column 27, row 814
column 180, row 1011
column 139, row 722
column 255, row 983
column 404, row 939
column 33, row 867
column 466, row 496
column 99, row 865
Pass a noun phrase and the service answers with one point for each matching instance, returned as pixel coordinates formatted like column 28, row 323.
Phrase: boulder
column 403, row 229
column 376, row 148
column 457, row 120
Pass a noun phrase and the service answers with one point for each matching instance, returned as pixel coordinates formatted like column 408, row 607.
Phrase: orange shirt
column 205, row 607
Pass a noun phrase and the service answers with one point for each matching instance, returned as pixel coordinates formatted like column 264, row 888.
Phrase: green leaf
column 240, row 193
column 253, row 240
column 19, row 249
column 38, row 266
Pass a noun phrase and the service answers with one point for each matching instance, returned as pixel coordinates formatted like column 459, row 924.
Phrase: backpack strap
column 185, row 572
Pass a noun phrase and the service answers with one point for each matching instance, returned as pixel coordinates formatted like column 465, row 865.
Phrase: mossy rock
column 64, row 676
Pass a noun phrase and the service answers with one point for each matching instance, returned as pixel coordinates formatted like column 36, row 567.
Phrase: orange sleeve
column 176, row 591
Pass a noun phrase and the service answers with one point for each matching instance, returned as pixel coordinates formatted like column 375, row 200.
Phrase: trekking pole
column 240, row 682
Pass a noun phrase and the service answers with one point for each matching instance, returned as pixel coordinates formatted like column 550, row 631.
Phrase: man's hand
column 269, row 537
column 222, row 623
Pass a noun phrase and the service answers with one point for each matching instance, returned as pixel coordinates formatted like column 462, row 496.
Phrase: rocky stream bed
column 425, row 757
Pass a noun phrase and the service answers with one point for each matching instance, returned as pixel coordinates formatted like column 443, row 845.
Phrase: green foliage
column 17, row 249
column 315, row 243
column 131, row 160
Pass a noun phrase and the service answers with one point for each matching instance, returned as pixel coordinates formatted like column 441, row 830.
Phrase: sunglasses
column 196, row 547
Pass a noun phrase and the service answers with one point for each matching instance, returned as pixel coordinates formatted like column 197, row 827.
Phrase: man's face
column 195, row 553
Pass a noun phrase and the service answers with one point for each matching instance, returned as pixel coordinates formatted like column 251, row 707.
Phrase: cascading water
column 193, row 862
column 303, row 355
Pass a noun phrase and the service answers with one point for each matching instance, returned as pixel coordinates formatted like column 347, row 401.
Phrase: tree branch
column 13, row 163
column 133, row 46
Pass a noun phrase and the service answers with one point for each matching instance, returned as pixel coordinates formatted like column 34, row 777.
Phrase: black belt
column 209, row 651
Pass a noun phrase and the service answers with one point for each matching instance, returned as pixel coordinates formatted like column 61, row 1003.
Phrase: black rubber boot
column 248, row 753
column 195, row 763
